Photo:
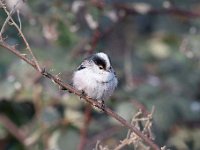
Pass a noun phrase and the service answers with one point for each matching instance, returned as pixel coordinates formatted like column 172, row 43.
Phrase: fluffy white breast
column 94, row 85
column 95, row 82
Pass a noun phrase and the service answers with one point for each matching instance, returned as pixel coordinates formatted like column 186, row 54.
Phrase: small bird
column 95, row 77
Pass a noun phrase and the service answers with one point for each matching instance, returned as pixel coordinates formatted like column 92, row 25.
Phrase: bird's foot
column 102, row 107
column 83, row 94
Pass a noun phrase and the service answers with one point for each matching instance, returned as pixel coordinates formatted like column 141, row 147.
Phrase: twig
column 148, row 125
column 139, row 113
column 20, row 32
column 16, row 52
column 140, row 106
column 8, row 18
column 132, row 138
column 20, row 23
column 98, row 146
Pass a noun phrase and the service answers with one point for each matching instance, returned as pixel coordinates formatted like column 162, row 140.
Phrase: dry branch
column 132, row 138
column 9, row 17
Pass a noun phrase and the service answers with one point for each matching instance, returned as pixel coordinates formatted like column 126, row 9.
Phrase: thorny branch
column 9, row 17
column 63, row 85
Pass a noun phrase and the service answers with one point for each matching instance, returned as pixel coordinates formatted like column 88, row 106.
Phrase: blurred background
column 154, row 48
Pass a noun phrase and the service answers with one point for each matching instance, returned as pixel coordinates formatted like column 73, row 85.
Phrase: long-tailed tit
column 95, row 77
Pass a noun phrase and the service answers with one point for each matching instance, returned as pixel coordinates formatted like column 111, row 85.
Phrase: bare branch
column 132, row 138
column 8, row 17
column 19, row 30
column 20, row 23
column 16, row 52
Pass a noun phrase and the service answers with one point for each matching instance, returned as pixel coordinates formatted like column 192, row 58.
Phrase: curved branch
column 93, row 102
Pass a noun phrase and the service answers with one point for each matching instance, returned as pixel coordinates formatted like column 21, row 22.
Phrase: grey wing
column 83, row 65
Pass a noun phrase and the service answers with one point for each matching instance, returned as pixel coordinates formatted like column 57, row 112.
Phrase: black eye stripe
column 99, row 61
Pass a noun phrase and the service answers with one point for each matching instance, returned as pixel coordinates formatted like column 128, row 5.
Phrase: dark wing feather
column 81, row 67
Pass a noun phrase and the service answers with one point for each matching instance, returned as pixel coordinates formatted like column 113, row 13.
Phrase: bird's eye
column 101, row 67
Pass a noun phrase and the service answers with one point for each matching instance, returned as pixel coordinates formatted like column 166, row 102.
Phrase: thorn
column 53, row 81
column 43, row 71
column 57, row 76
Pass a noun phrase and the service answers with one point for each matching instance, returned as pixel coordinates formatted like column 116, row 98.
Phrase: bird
column 95, row 77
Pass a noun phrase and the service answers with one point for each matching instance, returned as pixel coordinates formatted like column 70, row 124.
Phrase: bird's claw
column 101, row 106
column 83, row 94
